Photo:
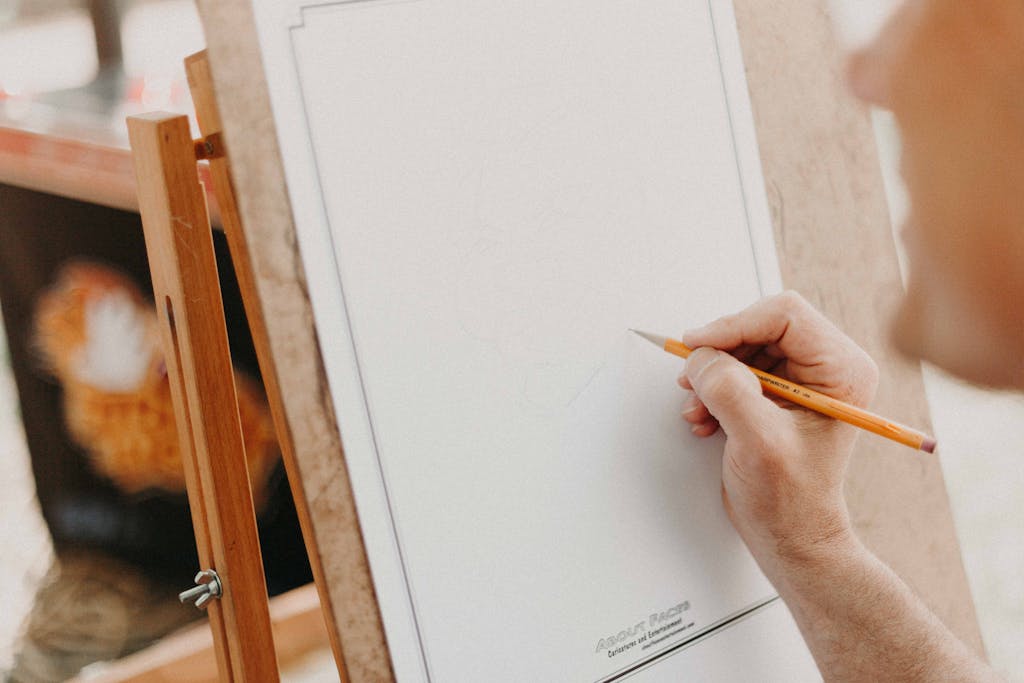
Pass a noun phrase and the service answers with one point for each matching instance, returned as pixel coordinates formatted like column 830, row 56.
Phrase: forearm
column 782, row 486
column 862, row 623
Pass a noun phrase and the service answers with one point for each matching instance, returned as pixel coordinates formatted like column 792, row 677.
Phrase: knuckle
column 792, row 301
column 701, row 357
column 871, row 372
column 866, row 379
column 859, row 379
column 733, row 385
column 724, row 325
column 731, row 319
column 723, row 385
column 847, row 382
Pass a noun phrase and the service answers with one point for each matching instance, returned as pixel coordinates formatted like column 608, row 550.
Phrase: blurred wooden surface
column 200, row 81
column 69, row 156
column 835, row 244
column 279, row 279
column 187, row 655
column 193, row 332
column 86, row 170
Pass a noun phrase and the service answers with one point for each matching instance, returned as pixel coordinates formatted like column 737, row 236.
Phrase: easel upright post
column 200, row 82
column 193, row 330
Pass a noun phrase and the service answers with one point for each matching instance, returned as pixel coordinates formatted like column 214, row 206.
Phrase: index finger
column 785, row 324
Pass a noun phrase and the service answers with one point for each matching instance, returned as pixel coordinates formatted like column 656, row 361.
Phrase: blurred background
column 70, row 72
column 105, row 60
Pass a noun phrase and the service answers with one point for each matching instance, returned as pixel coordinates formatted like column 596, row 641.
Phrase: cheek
column 967, row 233
column 968, row 259
column 946, row 323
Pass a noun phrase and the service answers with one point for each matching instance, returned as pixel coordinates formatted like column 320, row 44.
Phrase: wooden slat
column 835, row 243
column 200, row 82
column 98, row 172
column 76, row 169
column 193, row 330
column 263, row 204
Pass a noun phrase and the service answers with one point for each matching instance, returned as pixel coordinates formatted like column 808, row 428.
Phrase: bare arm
column 782, row 478
column 862, row 623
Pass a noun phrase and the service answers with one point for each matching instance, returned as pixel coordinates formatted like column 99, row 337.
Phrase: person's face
column 952, row 72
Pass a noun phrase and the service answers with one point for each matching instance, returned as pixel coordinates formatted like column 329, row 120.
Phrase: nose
column 867, row 76
column 869, row 70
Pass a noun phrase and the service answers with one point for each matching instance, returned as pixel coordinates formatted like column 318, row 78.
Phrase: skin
column 952, row 72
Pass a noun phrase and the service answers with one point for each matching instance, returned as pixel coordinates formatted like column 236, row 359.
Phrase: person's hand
column 782, row 475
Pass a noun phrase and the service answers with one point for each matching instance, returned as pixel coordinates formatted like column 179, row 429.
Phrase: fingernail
column 698, row 363
column 696, row 331
column 690, row 404
column 694, row 428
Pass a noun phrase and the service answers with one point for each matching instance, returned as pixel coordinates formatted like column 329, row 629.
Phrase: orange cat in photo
column 98, row 336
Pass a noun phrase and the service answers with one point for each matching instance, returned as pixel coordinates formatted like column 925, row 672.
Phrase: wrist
column 832, row 539
column 797, row 553
column 802, row 567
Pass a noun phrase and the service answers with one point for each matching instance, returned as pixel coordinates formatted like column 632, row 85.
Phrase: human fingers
column 786, row 322
column 732, row 394
column 705, row 429
column 767, row 358
column 694, row 411
column 702, row 422
column 809, row 349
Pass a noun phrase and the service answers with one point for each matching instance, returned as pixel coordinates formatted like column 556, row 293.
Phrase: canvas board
column 486, row 196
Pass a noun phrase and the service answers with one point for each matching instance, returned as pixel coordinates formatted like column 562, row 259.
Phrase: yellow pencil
column 817, row 401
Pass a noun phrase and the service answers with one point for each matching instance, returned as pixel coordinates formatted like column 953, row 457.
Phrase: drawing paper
column 487, row 195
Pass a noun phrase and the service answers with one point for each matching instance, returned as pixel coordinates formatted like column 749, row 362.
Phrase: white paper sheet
column 487, row 195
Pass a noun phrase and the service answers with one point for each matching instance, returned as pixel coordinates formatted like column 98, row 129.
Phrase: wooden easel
column 828, row 206
column 172, row 202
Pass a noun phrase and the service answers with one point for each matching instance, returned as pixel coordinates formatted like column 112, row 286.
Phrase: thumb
column 730, row 391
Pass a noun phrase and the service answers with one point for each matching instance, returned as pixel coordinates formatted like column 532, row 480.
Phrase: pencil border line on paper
column 707, row 632
column 630, row 669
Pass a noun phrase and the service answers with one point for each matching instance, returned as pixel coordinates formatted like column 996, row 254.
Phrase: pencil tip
column 655, row 339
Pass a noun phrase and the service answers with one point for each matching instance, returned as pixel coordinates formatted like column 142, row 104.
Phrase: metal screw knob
column 207, row 588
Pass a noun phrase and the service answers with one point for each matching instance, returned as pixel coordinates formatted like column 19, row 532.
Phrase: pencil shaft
column 826, row 405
